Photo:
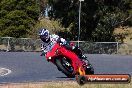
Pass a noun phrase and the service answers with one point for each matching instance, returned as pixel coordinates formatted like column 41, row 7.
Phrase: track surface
column 31, row 67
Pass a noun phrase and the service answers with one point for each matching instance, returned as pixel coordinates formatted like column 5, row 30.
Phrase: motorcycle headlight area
column 49, row 58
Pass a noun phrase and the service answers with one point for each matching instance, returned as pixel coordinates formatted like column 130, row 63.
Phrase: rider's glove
column 43, row 53
column 62, row 41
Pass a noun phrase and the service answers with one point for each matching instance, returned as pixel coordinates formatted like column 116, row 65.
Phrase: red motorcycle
column 68, row 62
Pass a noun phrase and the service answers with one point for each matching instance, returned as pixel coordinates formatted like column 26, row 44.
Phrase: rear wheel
column 81, row 80
column 65, row 66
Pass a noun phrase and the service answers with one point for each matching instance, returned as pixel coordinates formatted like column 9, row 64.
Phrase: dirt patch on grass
column 63, row 84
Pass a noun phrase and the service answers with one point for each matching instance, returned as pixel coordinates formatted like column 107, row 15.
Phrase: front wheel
column 65, row 66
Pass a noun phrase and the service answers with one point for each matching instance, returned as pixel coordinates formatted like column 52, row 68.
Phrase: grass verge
column 63, row 84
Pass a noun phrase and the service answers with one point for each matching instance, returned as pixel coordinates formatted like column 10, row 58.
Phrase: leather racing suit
column 48, row 45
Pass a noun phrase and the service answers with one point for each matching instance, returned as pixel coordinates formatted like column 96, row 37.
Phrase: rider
column 50, row 40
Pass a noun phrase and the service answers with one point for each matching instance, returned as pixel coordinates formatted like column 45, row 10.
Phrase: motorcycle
column 68, row 62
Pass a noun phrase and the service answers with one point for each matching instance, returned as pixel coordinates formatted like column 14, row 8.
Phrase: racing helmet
column 44, row 34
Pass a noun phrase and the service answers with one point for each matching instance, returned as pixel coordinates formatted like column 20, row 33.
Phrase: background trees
column 17, row 17
column 98, row 17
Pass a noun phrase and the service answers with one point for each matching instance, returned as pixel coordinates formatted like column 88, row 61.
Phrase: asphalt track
column 31, row 67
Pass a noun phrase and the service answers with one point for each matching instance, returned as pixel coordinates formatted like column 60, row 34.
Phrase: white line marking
column 4, row 71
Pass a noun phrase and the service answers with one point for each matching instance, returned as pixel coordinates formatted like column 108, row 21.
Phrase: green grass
column 63, row 84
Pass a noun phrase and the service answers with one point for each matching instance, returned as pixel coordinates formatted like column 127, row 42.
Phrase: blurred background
column 100, row 26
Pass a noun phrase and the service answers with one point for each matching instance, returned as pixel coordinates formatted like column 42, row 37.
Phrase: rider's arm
column 44, row 50
column 62, row 41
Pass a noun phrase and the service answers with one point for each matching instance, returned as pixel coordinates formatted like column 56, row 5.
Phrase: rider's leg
column 68, row 47
column 78, row 51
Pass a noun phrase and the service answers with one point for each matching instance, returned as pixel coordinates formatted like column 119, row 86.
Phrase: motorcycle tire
column 59, row 64
column 81, row 80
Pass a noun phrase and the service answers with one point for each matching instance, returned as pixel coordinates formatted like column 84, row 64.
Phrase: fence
column 28, row 44
column 100, row 47
column 19, row 44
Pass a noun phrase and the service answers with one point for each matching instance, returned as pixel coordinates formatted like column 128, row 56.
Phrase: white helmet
column 44, row 34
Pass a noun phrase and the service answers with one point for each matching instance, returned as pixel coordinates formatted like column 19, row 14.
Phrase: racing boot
column 83, row 57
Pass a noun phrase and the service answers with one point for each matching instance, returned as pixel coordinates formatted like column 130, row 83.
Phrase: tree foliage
column 17, row 17
column 42, row 6
column 98, row 17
